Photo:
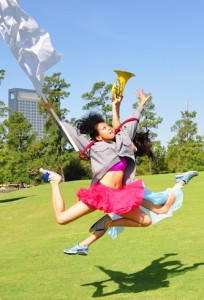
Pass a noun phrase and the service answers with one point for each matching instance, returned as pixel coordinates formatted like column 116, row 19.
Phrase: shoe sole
column 78, row 253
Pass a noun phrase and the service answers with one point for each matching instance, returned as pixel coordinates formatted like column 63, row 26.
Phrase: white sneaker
column 50, row 176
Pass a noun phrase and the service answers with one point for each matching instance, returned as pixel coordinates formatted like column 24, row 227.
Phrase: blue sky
column 160, row 41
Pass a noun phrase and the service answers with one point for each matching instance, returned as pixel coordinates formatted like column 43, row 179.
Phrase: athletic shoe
column 186, row 177
column 100, row 224
column 51, row 176
column 178, row 177
column 77, row 249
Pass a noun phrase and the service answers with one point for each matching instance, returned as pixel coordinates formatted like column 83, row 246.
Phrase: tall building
column 26, row 102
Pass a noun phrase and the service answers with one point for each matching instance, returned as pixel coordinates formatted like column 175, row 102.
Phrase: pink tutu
column 119, row 201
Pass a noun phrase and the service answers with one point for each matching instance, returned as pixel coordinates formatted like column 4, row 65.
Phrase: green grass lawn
column 164, row 261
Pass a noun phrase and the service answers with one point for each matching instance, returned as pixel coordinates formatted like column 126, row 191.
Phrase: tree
column 149, row 121
column 3, row 108
column 18, row 134
column 185, row 128
column 186, row 149
column 16, row 155
column 55, row 145
column 160, row 164
column 2, row 74
column 99, row 98
column 77, row 169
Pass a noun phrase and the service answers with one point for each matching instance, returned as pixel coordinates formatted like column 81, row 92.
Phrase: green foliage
column 17, row 168
column 2, row 136
column 160, row 164
column 2, row 74
column 55, row 151
column 142, row 165
column 3, row 110
column 22, row 156
column 15, row 155
column 149, row 120
column 77, row 168
column 18, row 135
column 55, row 87
column 146, row 166
column 185, row 128
column 5, row 157
column 186, row 149
column 99, row 98
column 55, row 90
column 189, row 155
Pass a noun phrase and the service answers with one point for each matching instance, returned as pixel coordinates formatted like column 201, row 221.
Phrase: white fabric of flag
column 29, row 43
column 32, row 48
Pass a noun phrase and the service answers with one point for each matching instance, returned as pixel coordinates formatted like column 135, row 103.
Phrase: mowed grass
column 164, row 261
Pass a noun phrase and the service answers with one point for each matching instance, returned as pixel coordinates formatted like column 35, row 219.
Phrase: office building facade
column 26, row 102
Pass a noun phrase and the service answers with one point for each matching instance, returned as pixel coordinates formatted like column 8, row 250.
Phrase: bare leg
column 163, row 209
column 74, row 212
column 139, row 219
column 92, row 238
column 136, row 218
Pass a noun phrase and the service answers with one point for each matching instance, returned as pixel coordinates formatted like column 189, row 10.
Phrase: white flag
column 29, row 43
column 31, row 46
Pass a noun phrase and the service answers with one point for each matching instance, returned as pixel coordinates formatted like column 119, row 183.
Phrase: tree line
column 22, row 154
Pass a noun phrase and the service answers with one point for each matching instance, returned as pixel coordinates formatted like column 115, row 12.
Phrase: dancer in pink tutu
column 113, row 187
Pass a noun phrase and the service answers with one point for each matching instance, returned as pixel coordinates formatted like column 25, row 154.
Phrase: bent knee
column 147, row 221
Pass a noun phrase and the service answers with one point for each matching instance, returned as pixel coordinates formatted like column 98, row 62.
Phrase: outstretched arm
column 131, row 127
column 143, row 97
column 116, row 112
column 63, row 128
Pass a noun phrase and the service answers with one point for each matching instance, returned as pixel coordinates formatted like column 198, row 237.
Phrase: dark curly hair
column 87, row 124
column 143, row 144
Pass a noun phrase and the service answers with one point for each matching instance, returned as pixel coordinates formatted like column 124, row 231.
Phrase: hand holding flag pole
column 32, row 48
column 49, row 109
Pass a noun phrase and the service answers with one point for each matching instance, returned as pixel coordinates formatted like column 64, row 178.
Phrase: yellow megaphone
column 119, row 84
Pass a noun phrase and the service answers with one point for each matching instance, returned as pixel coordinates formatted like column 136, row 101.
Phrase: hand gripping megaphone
column 119, row 84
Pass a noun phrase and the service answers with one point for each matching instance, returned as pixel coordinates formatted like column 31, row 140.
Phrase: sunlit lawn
column 164, row 261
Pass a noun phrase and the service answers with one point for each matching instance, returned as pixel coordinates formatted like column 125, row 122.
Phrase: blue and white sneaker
column 186, row 177
column 51, row 176
column 178, row 177
column 77, row 249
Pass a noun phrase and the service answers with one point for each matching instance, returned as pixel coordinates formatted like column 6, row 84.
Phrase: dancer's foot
column 100, row 225
column 186, row 177
column 77, row 249
column 51, row 176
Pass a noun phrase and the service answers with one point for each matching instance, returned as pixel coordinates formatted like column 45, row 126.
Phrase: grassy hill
column 164, row 261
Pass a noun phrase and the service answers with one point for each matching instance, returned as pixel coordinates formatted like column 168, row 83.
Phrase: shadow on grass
column 14, row 199
column 153, row 277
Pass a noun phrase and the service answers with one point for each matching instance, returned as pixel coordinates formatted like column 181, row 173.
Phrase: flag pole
column 58, row 121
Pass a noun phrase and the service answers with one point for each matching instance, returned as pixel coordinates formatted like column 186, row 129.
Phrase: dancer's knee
column 147, row 221
column 61, row 220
